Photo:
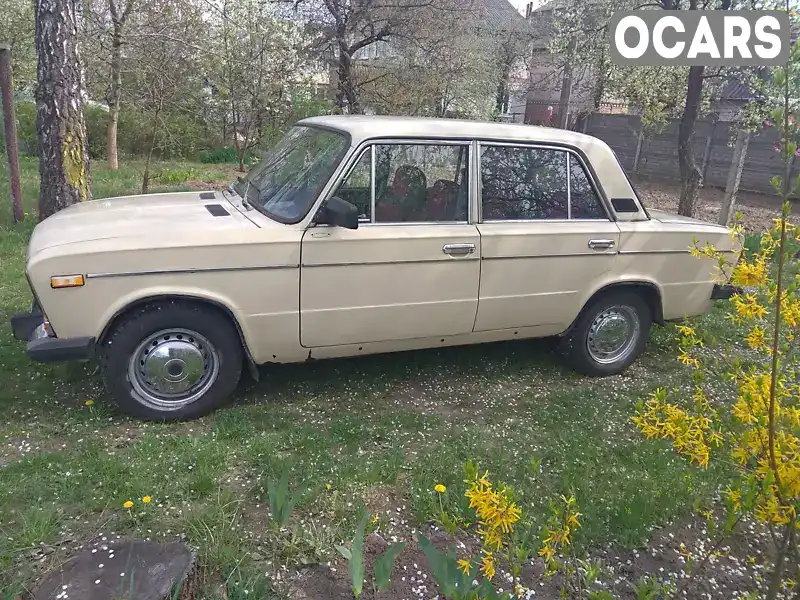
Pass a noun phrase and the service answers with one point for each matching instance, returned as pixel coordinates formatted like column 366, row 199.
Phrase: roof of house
column 498, row 13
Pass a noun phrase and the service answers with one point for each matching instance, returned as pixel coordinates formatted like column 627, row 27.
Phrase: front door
column 412, row 268
column 546, row 237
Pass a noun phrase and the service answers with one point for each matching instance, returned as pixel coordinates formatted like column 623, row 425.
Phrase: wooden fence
column 713, row 147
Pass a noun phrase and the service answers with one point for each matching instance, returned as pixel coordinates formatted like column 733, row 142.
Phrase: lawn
column 377, row 432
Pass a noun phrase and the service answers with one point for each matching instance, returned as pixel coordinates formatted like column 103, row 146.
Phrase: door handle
column 601, row 244
column 458, row 249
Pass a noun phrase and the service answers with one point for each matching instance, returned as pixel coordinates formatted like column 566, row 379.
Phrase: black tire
column 574, row 345
column 217, row 338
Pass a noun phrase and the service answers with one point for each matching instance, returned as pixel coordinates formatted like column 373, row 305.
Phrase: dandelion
column 128, row 504
column 328, row 485
column 89, row 403
column 147, row 499
column 439, row 488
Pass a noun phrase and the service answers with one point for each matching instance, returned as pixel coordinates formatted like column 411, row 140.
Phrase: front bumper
column 723, row 292
column 29, row 327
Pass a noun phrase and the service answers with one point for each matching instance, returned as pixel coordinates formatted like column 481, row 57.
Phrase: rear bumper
column 29, row 327
column 723, row 292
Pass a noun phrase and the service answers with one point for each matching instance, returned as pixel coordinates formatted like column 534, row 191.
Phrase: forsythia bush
column 745, row 405
column 507, row 538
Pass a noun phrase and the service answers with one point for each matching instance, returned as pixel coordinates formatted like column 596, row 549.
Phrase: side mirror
column 338, row 212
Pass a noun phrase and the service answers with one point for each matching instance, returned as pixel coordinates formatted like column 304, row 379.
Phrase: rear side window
column 521, row 183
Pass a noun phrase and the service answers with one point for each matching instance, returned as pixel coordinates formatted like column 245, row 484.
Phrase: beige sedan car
column 357, row 235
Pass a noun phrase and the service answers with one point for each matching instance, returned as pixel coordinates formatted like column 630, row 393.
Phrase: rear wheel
column 172, row 361
column 609, row 335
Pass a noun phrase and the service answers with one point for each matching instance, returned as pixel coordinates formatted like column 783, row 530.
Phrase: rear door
column 412, row 268
column 546, row 236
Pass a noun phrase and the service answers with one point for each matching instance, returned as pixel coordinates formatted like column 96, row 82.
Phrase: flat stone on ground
column 129, row 569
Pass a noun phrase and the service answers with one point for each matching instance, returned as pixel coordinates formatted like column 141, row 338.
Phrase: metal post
column 10, row 131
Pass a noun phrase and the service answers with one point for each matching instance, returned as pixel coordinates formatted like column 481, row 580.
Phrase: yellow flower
column 734, row 497
column 89, row 402
column 127, row 504
column 748, row 307
column 328, row 485
column 147, row 499
column 487, row 565
column 757, row 339
column 439, row 488
column 375, row 519
column 688, row 360
column 747, row 274
column 547, row 552
column 464, row 566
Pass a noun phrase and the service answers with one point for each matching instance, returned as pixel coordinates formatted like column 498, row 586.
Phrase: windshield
column 286, row 182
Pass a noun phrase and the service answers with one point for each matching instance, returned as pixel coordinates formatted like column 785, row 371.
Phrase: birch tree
column 60, row 97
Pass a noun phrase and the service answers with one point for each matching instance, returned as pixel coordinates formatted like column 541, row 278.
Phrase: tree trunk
column 10, row 131
column 565, row 97
column 691, row 178
column 345, row 90
column 113, row 98
column 734, row 177
column 60, row 126
column 146, row 175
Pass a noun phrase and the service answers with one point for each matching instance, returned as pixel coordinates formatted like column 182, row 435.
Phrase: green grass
column 349, row 432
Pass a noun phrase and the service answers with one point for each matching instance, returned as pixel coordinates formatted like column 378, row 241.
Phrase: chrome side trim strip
column 187, row 271
column 654, row 251
column 570, row 255
column 391, row 262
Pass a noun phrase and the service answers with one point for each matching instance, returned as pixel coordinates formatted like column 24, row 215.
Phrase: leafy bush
column 173, row 176
column 26, row 128
column 96, row 131
column 222, row 155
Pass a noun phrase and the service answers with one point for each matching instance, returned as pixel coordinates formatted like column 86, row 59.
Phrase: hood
column 137, row 216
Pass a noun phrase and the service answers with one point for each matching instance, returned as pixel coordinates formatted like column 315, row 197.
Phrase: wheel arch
column 648, row 290
column 154, row 299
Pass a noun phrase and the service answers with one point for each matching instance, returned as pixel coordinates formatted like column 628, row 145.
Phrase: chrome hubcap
column 613, row 334
column 172, row 368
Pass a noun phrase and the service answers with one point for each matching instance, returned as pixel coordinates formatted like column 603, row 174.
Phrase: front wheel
column 171, row 361
column 609, row 335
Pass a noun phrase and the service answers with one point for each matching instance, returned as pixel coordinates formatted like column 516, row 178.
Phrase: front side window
column 357, row 186
column 420, row 183
column 521, row 183
column 286, row 182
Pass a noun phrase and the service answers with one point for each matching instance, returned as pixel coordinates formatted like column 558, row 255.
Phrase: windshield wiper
column 232, row 189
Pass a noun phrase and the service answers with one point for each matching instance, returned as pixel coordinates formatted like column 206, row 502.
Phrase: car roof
column 362, row 127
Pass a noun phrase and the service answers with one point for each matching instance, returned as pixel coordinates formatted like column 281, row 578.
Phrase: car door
column 412, row 268
column 545, row 236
